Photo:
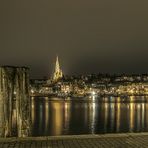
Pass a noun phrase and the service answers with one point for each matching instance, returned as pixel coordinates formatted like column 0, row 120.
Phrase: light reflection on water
column 87, row 117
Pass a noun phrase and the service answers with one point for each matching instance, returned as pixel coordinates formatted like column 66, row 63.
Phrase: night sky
column 89, row 36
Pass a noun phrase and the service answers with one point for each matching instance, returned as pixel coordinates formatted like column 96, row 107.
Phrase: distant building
column 57, row 72
column 37, row 82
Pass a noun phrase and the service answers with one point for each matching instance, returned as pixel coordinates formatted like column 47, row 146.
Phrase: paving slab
column 129, row 140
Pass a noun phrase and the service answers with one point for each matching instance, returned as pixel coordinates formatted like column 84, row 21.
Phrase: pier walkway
column 130, row 140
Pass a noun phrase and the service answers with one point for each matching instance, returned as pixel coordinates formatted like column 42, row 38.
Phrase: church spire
column 57, row 65
column 57, row 72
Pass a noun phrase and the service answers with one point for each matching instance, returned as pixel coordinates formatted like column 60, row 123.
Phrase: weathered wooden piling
column 14, row 101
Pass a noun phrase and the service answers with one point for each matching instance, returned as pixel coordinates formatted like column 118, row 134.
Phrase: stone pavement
column 133, row 140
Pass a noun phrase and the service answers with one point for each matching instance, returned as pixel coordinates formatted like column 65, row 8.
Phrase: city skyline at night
column 73, row 73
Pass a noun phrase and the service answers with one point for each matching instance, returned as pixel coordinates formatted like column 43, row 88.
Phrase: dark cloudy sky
column 90, row 36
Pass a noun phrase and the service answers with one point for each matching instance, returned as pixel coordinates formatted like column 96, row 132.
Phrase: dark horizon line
column 80, row 74
column 107, row 74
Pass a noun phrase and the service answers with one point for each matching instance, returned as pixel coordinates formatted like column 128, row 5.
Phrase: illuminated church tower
column 57, row 72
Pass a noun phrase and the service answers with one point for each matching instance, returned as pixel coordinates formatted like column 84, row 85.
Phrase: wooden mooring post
column 15, row 115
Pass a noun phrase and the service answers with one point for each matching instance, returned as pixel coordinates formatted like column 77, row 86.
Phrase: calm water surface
column 87, row 117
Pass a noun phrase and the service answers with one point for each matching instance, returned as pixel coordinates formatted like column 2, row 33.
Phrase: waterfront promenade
column 139, row 140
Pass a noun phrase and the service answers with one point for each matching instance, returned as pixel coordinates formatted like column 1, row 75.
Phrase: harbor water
column 56, row 116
